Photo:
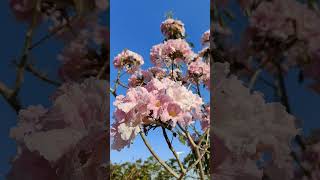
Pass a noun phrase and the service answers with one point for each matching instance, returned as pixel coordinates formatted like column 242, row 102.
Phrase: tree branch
column 157, row 157
column 193, row 165
column 41, row 75
column 196, row 149
column 7, row 95
column 172, row 149
column 26, row 50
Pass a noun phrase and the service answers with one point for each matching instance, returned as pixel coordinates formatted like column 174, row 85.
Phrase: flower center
column 172, row 113
column 158, row 104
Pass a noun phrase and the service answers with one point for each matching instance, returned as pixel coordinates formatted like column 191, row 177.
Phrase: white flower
column 127, row 131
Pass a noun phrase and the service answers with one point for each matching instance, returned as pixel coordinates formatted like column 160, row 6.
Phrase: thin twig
column 7, row 95
column 172, row 149
column 196, row 149
column 51, row 34
column 25, row 53
column 41, row 75
column 114, row 90
column 157, row 157
column 254, row 79
column 192, row 165
column 103, row 69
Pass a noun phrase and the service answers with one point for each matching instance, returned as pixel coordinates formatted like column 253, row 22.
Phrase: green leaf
column 182, row 140
column 169, row 14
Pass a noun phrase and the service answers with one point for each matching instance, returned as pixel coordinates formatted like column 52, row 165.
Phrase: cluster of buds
column 172, row 29
column 129, row 60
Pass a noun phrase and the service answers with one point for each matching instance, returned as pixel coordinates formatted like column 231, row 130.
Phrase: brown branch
column 54, row 32
column 7, row 95
column 193, row 165
column 41, row 75
column 25, row 53
column 195, row 147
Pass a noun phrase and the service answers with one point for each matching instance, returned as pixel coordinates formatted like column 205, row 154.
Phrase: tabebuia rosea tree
column 67, row 139
column 167, row 96
column 263, row 46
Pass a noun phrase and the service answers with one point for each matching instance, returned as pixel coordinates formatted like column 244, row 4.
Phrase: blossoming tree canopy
column 275, row 41
column 166, row 95
column 66, row 140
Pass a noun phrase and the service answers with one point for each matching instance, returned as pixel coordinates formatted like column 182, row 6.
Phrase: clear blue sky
column 136, row 25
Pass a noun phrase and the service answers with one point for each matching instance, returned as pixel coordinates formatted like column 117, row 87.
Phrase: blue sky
column 136, row 25
column 34, row 91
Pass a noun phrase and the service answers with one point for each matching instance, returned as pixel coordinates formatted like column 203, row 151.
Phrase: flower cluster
column 158, row 96
column 81, row 34
column 172, row 51
column 250, row 127
column 144, row 76
column 172, row 29
column 65, row 141
column 22, row 9
column 129, row 60
column 166, row 96
column 205, row 39
column 54, row 10
column 159, row 101
column 282, row 40
column 286, row 32
column 199, row 71
column 80, row 59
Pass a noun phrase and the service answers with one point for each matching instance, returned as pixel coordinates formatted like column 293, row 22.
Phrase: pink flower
column 159, row 100
column 122, row 135
column 69, row 112
column 22, row 9
column 144, row 76
column 135, row 80
column 205, row 39
column 172, row 29
column 31, row 166
column 171, row 51
column 172, row 112
column 198, row 71
column 78, row 60
column 156, row 72
column 57, row 137
column 129, row 60
column 30, row 121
